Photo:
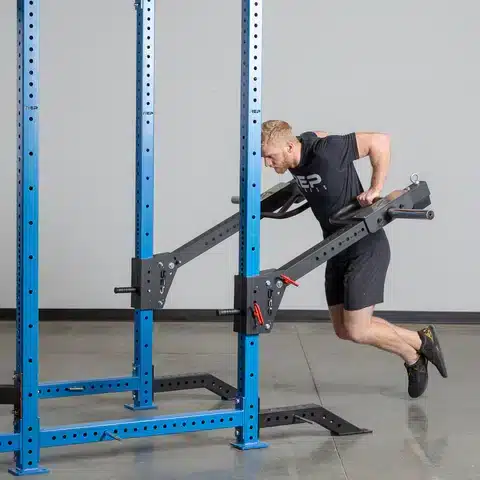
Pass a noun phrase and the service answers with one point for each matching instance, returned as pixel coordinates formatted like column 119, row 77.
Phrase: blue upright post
column 247, row 436
column 26, row 415
column 143, row 336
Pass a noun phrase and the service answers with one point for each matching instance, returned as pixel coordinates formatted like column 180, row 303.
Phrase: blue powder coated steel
column 130, row 428
column 144, row 427
column 97, row 386
column 9, row 442
column 143, row 324
column 249, row 234
column 28, row 426
column 28, row 438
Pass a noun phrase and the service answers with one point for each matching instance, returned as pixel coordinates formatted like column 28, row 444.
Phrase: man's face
column 278, row 156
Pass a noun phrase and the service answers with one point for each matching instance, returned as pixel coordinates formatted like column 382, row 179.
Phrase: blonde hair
column 275, row 130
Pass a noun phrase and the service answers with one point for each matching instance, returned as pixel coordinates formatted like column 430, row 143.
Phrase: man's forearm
column 379, row 174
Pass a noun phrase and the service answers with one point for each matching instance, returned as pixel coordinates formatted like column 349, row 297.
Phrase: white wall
column 408, row 68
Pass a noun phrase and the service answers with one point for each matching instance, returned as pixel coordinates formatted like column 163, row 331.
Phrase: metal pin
column 303, row 419
column 111, row 435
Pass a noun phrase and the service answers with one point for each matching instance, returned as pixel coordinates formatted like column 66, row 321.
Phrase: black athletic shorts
column 356, row 277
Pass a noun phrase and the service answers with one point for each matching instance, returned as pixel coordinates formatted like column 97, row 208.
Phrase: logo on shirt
column 309, row 182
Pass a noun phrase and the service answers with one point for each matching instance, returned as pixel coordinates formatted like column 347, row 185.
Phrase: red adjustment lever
column 257, row 313
column 288, row 280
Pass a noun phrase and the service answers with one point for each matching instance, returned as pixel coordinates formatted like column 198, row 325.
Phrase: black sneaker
column 431, row 349
column 417, row 377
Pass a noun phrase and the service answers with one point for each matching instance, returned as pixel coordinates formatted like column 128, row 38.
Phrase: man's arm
column 377, row 147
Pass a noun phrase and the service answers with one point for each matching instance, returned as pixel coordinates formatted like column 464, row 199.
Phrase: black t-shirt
column 326, row 174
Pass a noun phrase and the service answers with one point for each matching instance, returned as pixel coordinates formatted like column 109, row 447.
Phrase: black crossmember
column 8, row 395
column 311, row 413
column 190, row 381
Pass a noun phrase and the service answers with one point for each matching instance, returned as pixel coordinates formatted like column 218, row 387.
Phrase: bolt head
column 279, row 284
column 171, row 265
column 268, row 283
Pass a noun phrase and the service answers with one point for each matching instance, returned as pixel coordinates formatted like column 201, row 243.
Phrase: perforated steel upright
column 143, row 325
column 26, row 415
column 249, row 235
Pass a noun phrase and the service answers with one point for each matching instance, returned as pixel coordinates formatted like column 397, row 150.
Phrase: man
column 323, row 166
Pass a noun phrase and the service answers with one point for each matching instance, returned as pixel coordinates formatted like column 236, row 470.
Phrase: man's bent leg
column 413, row 338
column 409, row 336
column 425, row 341
column 336, row 316
column 364, row 282
column 361, row 328
column 417, row 372
column 337, row 313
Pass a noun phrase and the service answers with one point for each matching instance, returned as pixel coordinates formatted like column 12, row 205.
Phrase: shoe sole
column 425, row 386
column 422, row 392
column 442, row 368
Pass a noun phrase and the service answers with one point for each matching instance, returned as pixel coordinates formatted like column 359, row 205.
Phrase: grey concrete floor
column 434, row 437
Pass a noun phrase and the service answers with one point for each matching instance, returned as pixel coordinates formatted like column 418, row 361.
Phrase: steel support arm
column 264, row 293
column 153, row 277
column 272, row 200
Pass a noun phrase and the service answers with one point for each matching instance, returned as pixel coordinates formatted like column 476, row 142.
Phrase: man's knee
column 355, row 333
column 336, row 315
column 341, row 332
column 357, row 325
column 352, row 325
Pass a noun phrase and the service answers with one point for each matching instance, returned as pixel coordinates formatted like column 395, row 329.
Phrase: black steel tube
column 125, row 289
column 345, row 214
column 228, row 311
column 282, row 215
column 412, row 214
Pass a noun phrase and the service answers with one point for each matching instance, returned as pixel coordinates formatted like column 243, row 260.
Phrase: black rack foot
column 190, row 381
column 314, row 414
column 8, row 395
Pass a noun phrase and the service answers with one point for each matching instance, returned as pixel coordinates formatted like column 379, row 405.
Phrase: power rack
column 257, row 296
